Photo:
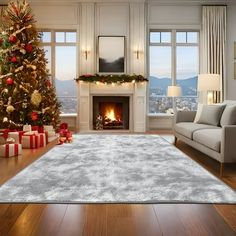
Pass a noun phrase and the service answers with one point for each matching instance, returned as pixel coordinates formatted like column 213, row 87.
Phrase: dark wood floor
column 117, row 219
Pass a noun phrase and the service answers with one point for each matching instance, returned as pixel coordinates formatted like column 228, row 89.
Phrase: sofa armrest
column 184, row 116
column 228, row 143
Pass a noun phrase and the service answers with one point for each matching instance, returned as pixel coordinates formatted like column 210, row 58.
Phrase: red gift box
column 8, row 150
column 40, row 129
column 32, row 140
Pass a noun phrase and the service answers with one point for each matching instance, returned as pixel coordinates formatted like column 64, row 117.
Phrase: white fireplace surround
column 137, row 99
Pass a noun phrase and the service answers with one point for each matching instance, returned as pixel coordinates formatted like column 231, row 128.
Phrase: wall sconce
column 137, row 53
column 86, row 52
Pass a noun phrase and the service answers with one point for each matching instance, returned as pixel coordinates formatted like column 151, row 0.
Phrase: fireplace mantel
column 136, row 92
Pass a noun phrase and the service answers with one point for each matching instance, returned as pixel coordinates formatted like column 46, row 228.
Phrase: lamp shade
column 173, row 91
column 208, row 82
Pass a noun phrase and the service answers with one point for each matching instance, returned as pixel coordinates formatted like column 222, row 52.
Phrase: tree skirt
column 116, row 169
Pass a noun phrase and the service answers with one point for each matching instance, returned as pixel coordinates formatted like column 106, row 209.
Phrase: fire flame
column 110, row 113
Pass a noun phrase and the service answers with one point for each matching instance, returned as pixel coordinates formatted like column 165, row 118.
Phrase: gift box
column 9, row 150
column 48, row 128
column 40, row 129
column 27, row 128
column 33, row 140
column 17, row 135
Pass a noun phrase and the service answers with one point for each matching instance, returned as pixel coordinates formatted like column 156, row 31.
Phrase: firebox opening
column 110, row 112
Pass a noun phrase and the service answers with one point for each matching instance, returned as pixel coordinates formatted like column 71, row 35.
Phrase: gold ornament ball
column 10, row 109
column 36, row 98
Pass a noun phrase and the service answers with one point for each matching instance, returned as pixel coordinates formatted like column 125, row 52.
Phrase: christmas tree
column 27, row 95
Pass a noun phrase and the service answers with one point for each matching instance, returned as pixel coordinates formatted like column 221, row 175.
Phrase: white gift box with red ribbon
column 17, row 135
column 33, row 140
column 9, row 150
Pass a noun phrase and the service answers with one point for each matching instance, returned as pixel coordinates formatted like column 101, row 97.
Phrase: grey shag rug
column 116, row 169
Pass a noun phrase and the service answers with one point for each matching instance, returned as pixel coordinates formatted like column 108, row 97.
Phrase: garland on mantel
column 109, row 79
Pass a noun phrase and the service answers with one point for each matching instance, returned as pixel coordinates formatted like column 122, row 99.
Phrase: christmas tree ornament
column 34, row 116
column 5, row 119
column 1, row 41
column 23, row 51
column 29, row 48
column 14, row 59
column 36, row 98
column 10, row 109
column 48, row 83
column 9, row 81
column 12, row 39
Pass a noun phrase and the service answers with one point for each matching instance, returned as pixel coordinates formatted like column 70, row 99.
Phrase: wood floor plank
column 73, row 221
column 146, row 221
column 27, row 221
column 9, row 214
column 228, row 212
column 120, row 220
column 95, row 220
column 50, row 220
column 199, row 219
column 169, row 220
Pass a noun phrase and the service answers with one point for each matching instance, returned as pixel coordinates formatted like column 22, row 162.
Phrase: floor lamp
column 174, row 91
column 209, row 83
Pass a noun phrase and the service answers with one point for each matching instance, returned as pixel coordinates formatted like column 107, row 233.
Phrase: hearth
column 110, row 112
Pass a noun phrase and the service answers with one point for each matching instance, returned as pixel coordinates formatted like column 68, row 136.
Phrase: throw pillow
column 199, row 112
column 229, row 116
column 211, row 114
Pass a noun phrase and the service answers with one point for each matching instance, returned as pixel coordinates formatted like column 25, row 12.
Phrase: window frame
column 173, row 44
column 53, row 44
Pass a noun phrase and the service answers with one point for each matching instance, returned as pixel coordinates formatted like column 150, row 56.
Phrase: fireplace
column 110, row 112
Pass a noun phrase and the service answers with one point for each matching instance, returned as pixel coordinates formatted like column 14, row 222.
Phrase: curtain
column 212, row 44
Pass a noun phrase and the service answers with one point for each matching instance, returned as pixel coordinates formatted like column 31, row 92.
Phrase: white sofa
column 213, row 133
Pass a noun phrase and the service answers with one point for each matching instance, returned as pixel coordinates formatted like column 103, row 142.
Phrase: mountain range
column 159, row 85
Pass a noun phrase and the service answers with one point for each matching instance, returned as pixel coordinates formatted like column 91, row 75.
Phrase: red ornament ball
column 1, row 41
column 14, row 59
column 34, row 116
column 12, row 39
column 9, row 81
column 48, row 83
column 29, row 48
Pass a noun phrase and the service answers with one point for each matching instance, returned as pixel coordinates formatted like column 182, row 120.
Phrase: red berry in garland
column 9, row 81
column 12, row 39
column 14, row 60
column 29, row 48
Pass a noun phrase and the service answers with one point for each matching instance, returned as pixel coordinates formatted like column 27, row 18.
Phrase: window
column 173, row 59
column 60, row 48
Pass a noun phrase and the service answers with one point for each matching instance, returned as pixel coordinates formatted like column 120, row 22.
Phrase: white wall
column 231, row 38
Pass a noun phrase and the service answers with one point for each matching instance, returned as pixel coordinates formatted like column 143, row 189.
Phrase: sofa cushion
column 187, row 128
column 211, row 114
column 229, row 116
column 210, row 138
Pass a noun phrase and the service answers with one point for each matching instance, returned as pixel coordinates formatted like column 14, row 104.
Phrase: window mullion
column 173, row 54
